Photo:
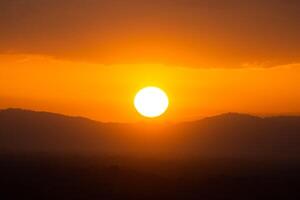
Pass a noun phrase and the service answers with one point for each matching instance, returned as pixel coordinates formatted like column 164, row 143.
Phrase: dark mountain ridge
column 226, row 135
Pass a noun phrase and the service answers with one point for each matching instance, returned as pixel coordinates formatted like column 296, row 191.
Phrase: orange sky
column 90, row 57
column 106, row 93
column 206, row 33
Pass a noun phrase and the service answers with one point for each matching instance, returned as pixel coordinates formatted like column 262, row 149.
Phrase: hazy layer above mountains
column 228, row 135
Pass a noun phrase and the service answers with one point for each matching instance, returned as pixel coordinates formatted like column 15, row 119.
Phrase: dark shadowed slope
column 230, row 156
column 227, row 135
column 29, row 131
column 241, row 135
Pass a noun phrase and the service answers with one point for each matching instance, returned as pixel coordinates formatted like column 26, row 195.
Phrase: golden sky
column 89, row 57
column 106, row 93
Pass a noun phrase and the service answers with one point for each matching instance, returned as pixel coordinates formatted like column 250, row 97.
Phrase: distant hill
column 241, row 135
column 226, row 135
column 29, row 131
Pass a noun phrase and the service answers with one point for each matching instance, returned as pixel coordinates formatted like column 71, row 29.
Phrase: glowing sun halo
column 151, row 102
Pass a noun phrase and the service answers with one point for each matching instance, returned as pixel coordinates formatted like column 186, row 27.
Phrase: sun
column 151, row 102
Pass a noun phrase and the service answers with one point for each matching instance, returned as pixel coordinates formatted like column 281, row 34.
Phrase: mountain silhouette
column 229, row 156
column 227, row 135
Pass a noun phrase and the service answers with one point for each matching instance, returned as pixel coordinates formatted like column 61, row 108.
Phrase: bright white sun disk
column 151, row 102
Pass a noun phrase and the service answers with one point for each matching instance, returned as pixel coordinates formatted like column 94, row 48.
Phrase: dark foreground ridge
column 227, row 135
column 230, row 156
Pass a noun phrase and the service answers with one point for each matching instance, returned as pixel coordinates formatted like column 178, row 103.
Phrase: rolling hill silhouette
column 227, row 135
column 230, row 156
